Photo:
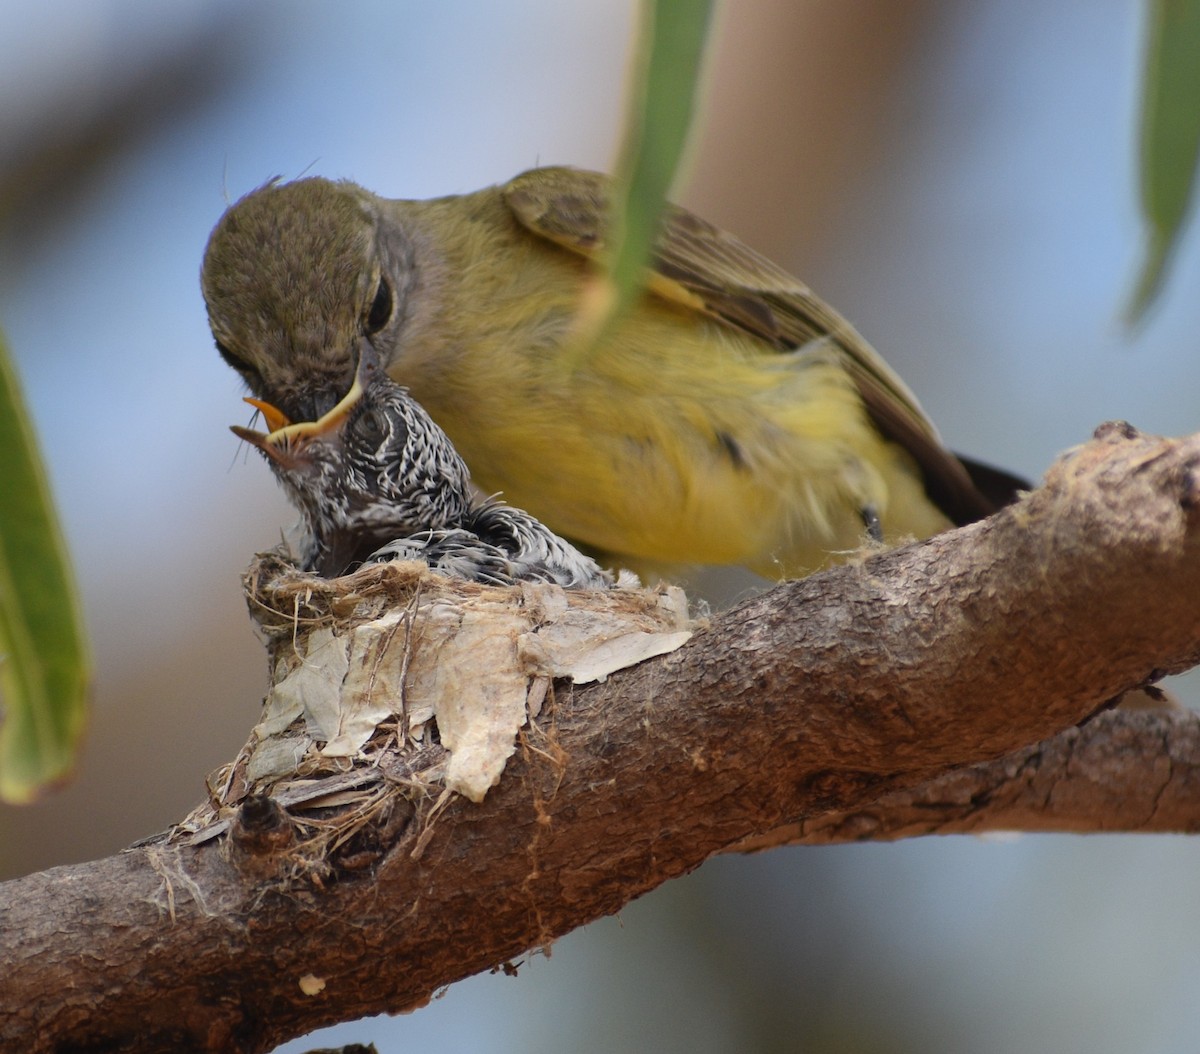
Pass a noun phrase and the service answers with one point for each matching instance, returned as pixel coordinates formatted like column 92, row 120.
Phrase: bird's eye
column 370, row 426
column 236, row 361
column 381, row 308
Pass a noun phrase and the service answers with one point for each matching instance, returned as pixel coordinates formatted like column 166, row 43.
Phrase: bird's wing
column 538, row 554
column 708, row 270
column 453, row 552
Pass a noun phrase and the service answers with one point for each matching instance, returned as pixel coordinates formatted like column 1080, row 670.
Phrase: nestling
column 374, row 479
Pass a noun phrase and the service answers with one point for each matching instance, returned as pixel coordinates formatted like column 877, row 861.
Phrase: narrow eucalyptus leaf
column 44, row 662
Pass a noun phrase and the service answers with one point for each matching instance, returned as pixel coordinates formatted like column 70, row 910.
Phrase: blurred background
column 959, row 179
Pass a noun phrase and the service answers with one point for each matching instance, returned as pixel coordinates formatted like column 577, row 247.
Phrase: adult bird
column 375, row 479
column 732, row 417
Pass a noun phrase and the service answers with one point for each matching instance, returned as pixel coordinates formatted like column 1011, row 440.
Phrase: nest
column 395, row 685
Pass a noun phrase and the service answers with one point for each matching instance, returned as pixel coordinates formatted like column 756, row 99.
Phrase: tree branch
column 1124, row 770
column 819, row 705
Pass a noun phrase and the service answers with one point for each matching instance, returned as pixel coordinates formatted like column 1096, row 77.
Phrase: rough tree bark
column 933, row 688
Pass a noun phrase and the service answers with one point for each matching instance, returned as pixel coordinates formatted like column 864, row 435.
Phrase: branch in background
column 1124, row 770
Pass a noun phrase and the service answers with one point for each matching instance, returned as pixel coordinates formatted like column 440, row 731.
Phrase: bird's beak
column 286, row 439
column 275, row 418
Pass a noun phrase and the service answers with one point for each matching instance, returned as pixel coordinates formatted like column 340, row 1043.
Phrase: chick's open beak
column 275, row 418
column 285, row 442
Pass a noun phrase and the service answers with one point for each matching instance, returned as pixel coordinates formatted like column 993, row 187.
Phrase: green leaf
column 662, row 100
column 44, row 663
column 1170, row 137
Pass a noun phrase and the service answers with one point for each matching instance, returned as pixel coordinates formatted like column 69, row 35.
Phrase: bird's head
column 297, row 278
column 372, row 469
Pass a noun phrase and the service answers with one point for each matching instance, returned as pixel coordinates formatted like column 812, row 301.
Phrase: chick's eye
column 381, row 308
column 370, row 427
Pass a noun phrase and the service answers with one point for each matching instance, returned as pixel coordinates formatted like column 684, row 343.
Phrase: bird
column 375, row 479
column 730, row 417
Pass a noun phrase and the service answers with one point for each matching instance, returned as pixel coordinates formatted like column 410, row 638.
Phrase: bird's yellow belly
column 679, row 443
